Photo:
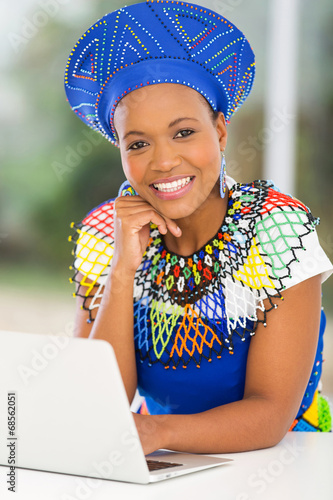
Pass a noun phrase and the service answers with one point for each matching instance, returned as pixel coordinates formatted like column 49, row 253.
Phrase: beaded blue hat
column 158, row 41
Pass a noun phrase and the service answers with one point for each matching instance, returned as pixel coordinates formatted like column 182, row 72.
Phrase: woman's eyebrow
column 132, row 132
column 172, row 124
column 178, row 120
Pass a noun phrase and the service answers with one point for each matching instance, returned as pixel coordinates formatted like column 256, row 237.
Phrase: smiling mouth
column 171, row 187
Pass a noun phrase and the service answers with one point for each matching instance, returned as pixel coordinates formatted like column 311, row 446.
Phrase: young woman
column 208, row 290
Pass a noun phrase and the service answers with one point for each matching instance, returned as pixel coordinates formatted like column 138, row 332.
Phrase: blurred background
column 53, row 169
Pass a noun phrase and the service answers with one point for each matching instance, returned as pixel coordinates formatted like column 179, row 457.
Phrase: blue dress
column 194, row 316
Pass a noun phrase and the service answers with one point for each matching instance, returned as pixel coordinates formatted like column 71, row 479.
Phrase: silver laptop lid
column 66, row 418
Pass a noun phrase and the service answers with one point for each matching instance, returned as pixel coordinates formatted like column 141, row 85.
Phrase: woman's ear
column 221, row 128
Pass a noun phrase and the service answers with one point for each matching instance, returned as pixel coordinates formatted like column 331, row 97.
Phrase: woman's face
column 170, row 147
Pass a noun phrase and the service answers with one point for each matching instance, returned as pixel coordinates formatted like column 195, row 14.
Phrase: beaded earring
column 223, row 181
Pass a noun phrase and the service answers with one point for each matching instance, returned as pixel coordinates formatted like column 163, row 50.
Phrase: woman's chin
column 177, row 211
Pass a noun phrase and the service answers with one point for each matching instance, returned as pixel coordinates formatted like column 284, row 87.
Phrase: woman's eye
column 137, row 145
column 184, row 133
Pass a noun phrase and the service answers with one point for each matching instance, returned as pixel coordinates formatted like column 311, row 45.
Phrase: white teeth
column 170, row 187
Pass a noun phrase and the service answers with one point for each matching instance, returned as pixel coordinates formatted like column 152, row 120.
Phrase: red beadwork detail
column 101, row 219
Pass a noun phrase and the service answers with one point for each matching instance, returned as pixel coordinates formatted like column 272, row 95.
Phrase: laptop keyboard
column 157, row 465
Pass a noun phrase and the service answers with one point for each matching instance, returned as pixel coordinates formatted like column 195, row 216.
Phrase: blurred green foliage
column 54, row 170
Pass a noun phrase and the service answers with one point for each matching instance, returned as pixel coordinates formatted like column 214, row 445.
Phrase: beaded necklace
column 189, row 308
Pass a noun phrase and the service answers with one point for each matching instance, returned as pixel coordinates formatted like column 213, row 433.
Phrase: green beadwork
column 324, row 414
column 284, row 223
column 163, row 324
column 187, row 272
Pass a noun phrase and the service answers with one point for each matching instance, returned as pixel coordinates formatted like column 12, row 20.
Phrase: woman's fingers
column 173, row 228
column 135, row 222
column 133, row 216
column 136, row 205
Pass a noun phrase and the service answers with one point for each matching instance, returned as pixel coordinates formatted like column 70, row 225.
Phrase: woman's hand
column 133, row 216
column 151, row 431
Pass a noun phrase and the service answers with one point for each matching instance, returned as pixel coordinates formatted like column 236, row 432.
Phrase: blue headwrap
column 158, row 41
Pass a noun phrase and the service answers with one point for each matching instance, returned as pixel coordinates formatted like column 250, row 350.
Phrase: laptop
column 63, row 408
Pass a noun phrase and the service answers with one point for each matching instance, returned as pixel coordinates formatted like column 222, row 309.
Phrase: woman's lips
column 172, row 195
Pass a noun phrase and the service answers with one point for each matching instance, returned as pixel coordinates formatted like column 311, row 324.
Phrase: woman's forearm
column 114, row 323
column 248, row 424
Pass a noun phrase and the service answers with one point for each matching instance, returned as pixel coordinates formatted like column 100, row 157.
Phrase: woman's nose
column 165, row 158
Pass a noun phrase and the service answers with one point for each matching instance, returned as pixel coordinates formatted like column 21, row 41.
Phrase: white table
column 298, row 468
